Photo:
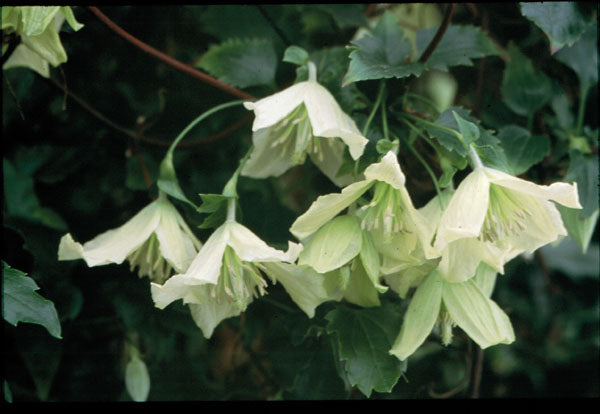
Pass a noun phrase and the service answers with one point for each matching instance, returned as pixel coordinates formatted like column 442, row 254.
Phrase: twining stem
column 384, row 122
column 199, row 119
column 429, row 171
column 375, row 107
column 434, row 125
column 581, row 112
column 168, row 59
column 439, row 34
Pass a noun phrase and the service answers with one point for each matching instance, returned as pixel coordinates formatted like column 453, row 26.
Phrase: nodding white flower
column 225, row 276
column 302, row 119
column 156, row 240
column 466, row 304
column 496, row 216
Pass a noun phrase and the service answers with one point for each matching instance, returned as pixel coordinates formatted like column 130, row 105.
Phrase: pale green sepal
column 370, row 261
column 35, row 19
column 70, row 17
column 206, row 266
column 562, row 193
column 387, row 170
column 461, row 258
column 360, row 290
column 465, row 213
column 330, row 159
column 10, row 18
column 173, row 289
column 69, row 249
column 47, row 45
column 264, row 161
column 401, row 282
column 485, row 279
column 272, row 109
column 420, row 317
column 580, row 229
column 334, row 245
column 305, row 286
column 476, row 314
column 250, row 248
column 336, row 282
column 327, row 207
column 23, row 56
column 209, row 314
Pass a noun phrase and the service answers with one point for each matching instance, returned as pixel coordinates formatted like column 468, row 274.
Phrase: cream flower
column 495, row 216
column 302, row 119
column 466, row 304
column 156, row 240
column 226, row 276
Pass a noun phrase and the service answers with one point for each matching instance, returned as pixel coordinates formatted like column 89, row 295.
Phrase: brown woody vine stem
column 439, row 34
column 168, row 59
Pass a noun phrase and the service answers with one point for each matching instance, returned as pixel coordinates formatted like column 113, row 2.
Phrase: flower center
column 505, row 216
column 384, row 211
column 239, row 281
column 150, row 261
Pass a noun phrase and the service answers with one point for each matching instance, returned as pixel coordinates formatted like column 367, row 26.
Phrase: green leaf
column 447, row 121
column 582, row 57
column 525, row 89
column 345, row 15
column 22, row 304
column 468, row 130
column 383, row 54
column 364, row 339
column 241, row 62
column 561, row 21
column 522, row 149
column 459, row 46
column 584, row 170
column 167, row 180
column 296, row 55
column 579, row 228
column 388, row 52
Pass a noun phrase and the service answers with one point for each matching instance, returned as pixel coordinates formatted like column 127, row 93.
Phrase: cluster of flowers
column 354, row 244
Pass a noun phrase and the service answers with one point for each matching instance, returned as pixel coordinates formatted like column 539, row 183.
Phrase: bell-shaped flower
column 301, row 120
column 466, row 304
column 495, row 216
column 156, row 240
column 226, row 276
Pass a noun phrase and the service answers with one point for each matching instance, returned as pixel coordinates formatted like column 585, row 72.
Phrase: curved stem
column 434, row 125
column 375, row 106
column 581, row 112
column 168, row 59
column 430, row 172
column 197, row 120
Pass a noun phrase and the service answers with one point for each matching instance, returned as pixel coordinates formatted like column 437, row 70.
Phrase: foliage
column 94, row 130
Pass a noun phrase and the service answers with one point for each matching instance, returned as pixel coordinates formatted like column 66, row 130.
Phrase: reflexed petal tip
column 69, row 249
column 387, row 170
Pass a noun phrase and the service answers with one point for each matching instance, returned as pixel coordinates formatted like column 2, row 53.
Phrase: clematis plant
column 226, row 276
column 301, row 120
column 388, row 223
column 156, row 240
column 496, row 216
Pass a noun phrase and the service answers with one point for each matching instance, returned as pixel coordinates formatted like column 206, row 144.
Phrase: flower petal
column 333, row 245
column 250, row 248
column 327, row 207
column 563, row 193
column 329, row 121
column 305, row 286
column 206, row 267
column 264, row 161
column 461, row 258
column 387, row 170
column 208, row 315
column 69, row 249
column 466, row 211
column 329, row 160
column 113, row 246
column 176, row 246
column 272, row 109
column 420, row 317
column 480, row 317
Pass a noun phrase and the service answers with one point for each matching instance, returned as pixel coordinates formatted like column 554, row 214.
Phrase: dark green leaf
column 561, row 21
column 584, row 170
column 522, row 149
column 450, row 140
column 22, row 304
column 579, row 228
column 346, row 15
column 582, row 57
column 295, row 55
column 241, row 62
column 365, row 337
column 459, row 46
column 525, row 89
column 567, row 258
